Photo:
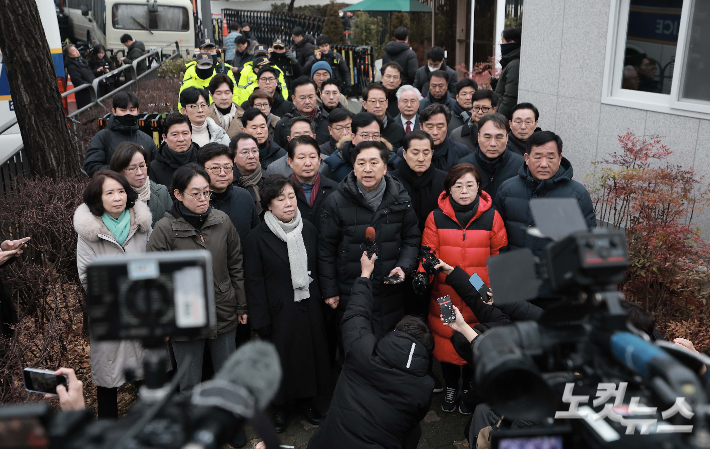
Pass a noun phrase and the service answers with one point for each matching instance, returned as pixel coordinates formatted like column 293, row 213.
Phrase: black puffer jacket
column 513, row 203
column 80, row 73
column 164, row 165
column 288, row 64
column 421, row 79
column 98, row 155
column 305, row 49
column 402, row 54
column 423, row 190
column 312, row 213
column 321, row 121
column 507, row 167
column 384, row 391
column 343, row 222
column 270, row 153
column 239, row 206
column 135, row 51
column 507, row 87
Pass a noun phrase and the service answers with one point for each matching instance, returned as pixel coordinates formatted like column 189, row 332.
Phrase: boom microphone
column 246, row 384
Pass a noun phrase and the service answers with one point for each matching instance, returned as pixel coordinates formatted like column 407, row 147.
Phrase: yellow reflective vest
column 192, row 80
column 247, row 83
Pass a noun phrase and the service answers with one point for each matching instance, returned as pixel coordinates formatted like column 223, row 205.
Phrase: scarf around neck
column 177, row 160
column 252, row 181
column 417, row 182
column 441, row 151
column 225, row 116
column 464, row 214
column 118, row 227
column 487, row 163
column 314, row 189
column 460, row 112
column 292, row 234
column 144, row 191
column 373, row 199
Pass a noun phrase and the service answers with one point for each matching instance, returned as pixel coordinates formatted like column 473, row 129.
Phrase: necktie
column 409, row 127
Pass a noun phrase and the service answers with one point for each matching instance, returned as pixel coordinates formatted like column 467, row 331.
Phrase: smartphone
column 42, row 380
column 479, row 285
column 447, row 309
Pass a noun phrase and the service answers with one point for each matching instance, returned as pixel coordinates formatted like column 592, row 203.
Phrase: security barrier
column 266, row 26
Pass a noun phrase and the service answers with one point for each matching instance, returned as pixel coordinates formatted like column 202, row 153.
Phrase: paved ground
column 439, row 429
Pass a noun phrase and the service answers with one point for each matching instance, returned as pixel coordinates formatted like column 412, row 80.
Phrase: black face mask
column 204, row 73
column 126, row 120
column 246, row 34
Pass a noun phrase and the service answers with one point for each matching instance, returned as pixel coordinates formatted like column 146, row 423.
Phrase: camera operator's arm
column 235, row 263
column 72, row 397
column 689, row 345
column 356, row 322
column 486, row 314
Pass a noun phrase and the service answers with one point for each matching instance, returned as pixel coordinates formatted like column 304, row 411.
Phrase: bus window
column 137, row 17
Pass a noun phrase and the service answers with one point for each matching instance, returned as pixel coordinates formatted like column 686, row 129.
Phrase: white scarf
column 292, row 234
column 226, row 120
column 144, row 191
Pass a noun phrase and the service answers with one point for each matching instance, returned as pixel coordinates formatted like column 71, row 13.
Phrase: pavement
column 439, row 429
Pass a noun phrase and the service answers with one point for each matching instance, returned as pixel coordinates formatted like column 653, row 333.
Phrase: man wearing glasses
column 268, row 82
column 374, row 101
column 286, row 61
column 176, row 150
column 522, row 126
column 195, row 104
column 247, row 169
column 366, row 127
column 495, row 163
column 435, row 122
column 218, row 161
column 305, row 103
column 484, row 102
column 339, row 126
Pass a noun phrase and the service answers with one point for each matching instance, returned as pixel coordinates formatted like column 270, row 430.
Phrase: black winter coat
column 321, row 121
column 304, row 50
column 516, row 145
column 513, row 203
column 384, row 390
column 401, row 53
column 164, row 166
column 288, row 64
column 393, row 132
column 239, row 206
column 135, row 51
column 337, row 65
column 297, row 328
column 421, row 79
column 467, row 135
column 449, row 101
column 423, row 190
column 312, row 214
column 80, row 73
column 272, row 153
column 508, row 167
column 507, row 87
column 98, row 155
column 343, row 222
column 448, row 154
column 280, row 107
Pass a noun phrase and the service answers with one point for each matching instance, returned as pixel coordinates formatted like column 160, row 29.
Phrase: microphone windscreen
column 370, row 234
column 256, row 367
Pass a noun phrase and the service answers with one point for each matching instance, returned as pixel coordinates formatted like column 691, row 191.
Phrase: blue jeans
column 221, row 348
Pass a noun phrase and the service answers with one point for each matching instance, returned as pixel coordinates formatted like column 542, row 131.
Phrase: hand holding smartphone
column 481, row 287
column 43, row 381
column 447, row 309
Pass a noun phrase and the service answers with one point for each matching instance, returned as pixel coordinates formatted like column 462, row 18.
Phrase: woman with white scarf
column 285, row 307
column 132, row 161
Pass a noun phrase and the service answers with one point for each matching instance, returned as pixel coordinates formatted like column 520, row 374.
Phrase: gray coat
column 109, row 359
column 159, row 202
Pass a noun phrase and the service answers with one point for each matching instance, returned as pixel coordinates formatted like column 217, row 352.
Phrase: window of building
column 138, row 17
column 658, row 56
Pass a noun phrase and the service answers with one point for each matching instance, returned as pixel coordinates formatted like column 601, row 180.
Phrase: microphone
column 670, row 378
column 369, row 244
column 246, row 384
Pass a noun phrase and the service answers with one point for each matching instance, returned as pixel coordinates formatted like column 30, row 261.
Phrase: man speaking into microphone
column 368, row 197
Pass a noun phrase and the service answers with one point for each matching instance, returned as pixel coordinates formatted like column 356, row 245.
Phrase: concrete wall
column 561, row 72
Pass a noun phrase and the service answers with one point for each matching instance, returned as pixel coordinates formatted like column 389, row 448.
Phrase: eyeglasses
column 267, row 80
column 133, row 168
column 261, row 105
column 207, row 194
column 365, row 136
column 519, row 122
column 217, row 170
column 245, row 153
column 483, row 109
column 200, row 106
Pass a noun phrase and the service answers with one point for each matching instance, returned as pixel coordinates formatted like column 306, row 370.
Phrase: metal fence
column 267, row 25
column 15, row 162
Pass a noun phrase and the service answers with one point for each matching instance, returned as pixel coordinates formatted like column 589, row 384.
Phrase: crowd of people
column 271, row 169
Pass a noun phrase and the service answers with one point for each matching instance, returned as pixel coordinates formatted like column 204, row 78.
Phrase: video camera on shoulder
column 151, row 296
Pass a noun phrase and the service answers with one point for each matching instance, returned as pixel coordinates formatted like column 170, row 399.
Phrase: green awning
column 389, row 5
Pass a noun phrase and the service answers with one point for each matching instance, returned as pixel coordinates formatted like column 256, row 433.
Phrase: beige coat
column 109, row 359
column 235, row 127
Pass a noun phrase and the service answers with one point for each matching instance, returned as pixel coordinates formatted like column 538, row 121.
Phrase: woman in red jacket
column 464, row 231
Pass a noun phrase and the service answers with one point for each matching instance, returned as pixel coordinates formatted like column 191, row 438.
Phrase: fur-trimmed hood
column 90, row 227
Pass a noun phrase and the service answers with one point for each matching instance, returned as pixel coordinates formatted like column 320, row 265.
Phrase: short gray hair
column 407, row 87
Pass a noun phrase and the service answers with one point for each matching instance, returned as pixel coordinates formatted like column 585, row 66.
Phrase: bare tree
column 35, row 94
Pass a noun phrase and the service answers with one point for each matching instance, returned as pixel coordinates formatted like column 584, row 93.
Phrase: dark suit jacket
column 416, row 126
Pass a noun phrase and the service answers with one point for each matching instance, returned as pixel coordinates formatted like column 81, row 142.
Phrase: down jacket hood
column 404, row 353
column 396, row 48
column 91, row 228
column 115, row 125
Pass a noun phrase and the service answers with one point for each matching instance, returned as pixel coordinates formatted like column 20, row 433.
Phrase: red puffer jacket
column 466, row 247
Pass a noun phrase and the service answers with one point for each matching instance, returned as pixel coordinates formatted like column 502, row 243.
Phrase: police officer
column 286, row 61
column 248, row 75
column 199, row 73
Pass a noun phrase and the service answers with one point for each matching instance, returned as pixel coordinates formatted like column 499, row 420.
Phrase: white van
column 156, row 23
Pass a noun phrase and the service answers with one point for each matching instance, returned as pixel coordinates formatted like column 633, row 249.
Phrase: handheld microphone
column 369, row 244
column 246, row 384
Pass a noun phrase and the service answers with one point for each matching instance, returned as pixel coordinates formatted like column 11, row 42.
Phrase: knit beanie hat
column 321, row 65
